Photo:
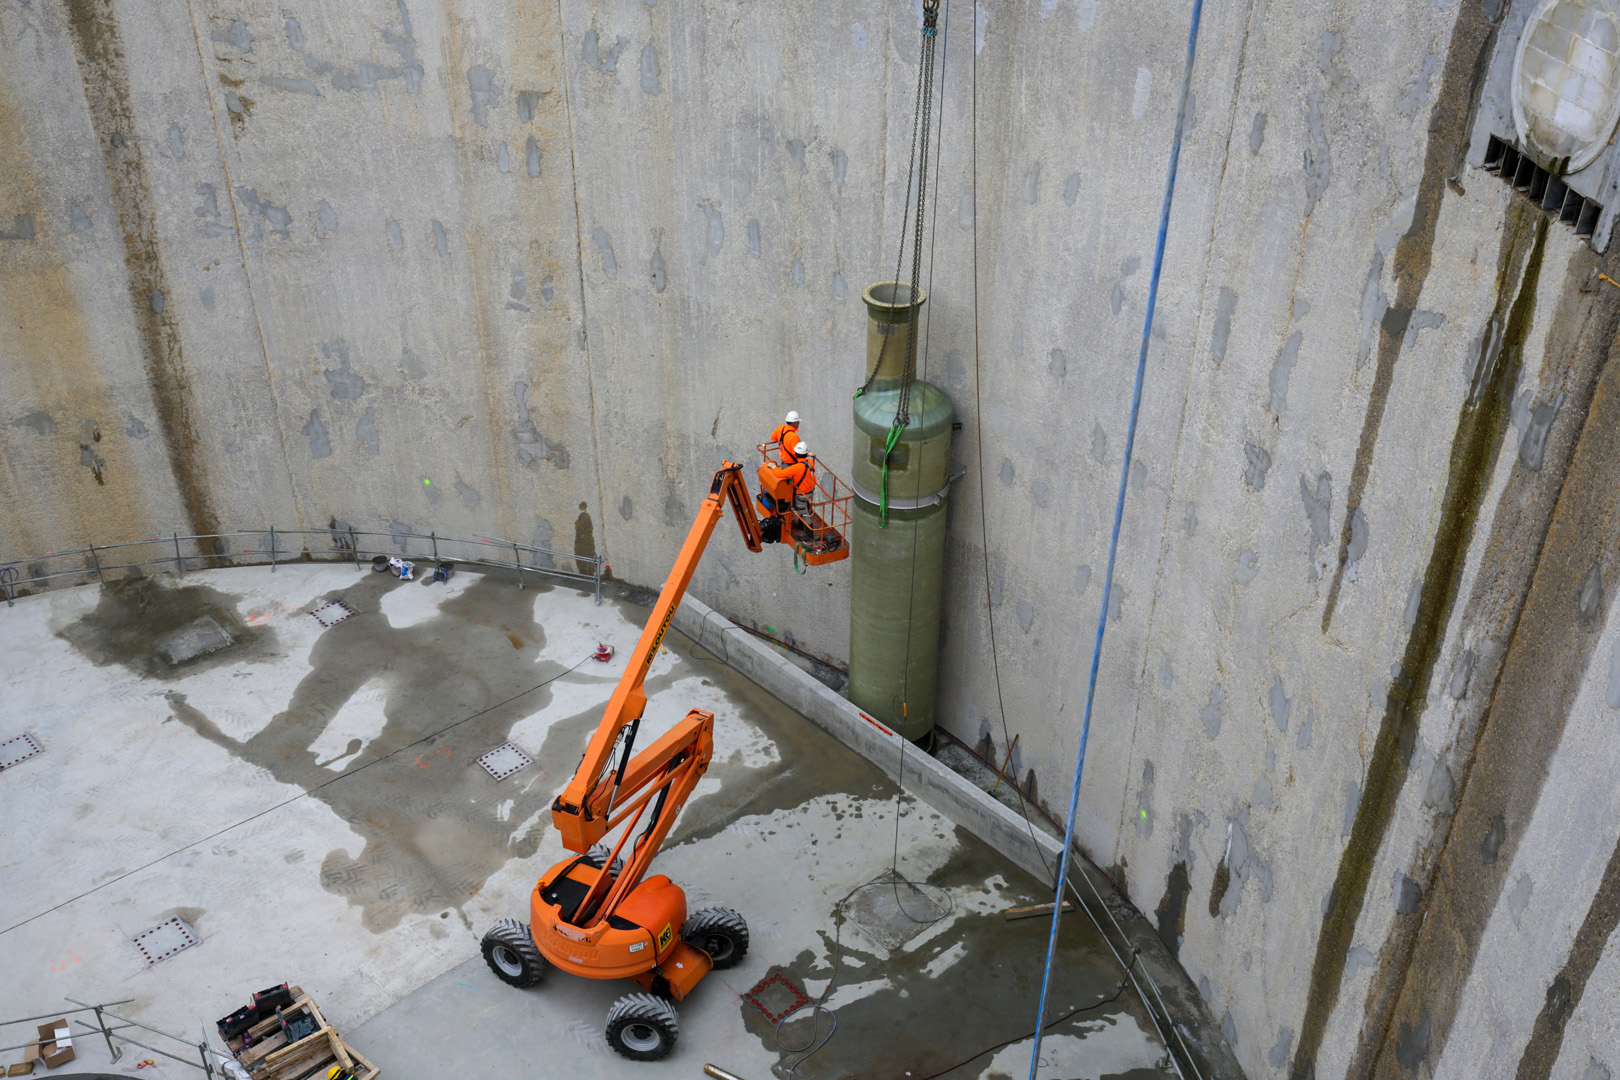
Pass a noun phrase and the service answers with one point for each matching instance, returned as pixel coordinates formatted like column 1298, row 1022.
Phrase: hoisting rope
column 921, row 129
column 1113, row 540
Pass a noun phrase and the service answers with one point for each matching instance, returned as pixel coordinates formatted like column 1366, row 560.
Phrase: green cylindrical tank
column 898, row 567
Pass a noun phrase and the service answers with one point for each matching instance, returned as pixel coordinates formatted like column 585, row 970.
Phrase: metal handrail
column 215, row 550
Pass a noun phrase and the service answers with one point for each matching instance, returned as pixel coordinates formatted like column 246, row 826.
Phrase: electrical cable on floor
column 1119, row 514
column 302, row 794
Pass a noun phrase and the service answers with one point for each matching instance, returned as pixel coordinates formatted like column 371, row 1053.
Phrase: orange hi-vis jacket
column 802, row 475
column 786, row 437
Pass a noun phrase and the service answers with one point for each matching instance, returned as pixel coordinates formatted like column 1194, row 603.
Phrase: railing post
column 599, row 580
column 113, row 1051
column 272, row 549
column 435, row 538
column 179, row 563
column 208, row 1066
column 354, row 546
column 99, row 576
column 8, row 574
column 518, row 559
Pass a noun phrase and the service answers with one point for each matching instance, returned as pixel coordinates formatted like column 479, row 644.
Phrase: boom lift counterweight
column 597, row 914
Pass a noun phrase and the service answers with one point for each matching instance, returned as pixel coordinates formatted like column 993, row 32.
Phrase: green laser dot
column 1144, row 815
column 426, row 482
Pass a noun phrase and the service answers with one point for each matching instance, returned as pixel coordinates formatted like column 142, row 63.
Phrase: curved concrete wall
column 533, row 268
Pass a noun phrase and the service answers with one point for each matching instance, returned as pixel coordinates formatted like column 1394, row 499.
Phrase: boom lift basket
column 820, row 534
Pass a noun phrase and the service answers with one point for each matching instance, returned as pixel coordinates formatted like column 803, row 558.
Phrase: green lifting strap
column 883, row 496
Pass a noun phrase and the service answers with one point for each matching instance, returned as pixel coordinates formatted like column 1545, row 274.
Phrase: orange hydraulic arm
column 601, row 796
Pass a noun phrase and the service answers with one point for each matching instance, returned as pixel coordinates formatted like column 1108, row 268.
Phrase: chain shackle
column 930, row 16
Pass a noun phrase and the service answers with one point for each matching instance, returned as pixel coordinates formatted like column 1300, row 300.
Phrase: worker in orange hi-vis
column 802, row 474
column 786, row 437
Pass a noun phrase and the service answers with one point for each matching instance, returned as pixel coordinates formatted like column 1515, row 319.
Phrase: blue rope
column 1113, row 540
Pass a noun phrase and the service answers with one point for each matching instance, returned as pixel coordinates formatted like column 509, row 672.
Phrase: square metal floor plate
column 892, row 912
column 164, row 940
column 504, row 760
column 199, row 637
column 777, row 997
column 330, row 615
column 19, row 748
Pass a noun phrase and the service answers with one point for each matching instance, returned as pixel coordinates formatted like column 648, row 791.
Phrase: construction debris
column 297, row 1042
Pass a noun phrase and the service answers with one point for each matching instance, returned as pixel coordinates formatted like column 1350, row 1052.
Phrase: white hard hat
column 792, row 417
column 800, row 450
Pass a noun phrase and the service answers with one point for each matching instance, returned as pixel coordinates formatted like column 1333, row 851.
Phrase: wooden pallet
column 271, row 1057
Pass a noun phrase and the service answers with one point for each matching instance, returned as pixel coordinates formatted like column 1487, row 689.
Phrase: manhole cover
column 330, row 615
column 892, row 911
column 776, row 996
column 20, row 748
column 164, row 940
column 504, row 760
column 199, row 637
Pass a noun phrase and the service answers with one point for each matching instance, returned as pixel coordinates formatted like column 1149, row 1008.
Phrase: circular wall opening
column 1566, row 80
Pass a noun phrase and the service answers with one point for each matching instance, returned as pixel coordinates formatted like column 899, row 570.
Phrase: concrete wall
column 532, row 269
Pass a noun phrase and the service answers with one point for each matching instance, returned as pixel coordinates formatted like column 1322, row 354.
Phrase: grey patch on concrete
column 1116, row 298
column 1189, row 521
column 840, row 167
column 519, row 288
column 1007, row 472
column 1281, row 369
column 1352, row 805
column 1257, row 462
column 469, row 495
column 295, row 84
column 604, row 247
column 1281, row 704
column 22, row 228
column 532, row 447
column 1099, row 444
column 627, row 509
column 1417, row 91
column 440, row 240
column 233, row 104
column 415, row 370
column 1318, row 500
column 1406, row 894
column 1412, row 1044
column 527, row 102
column 964, row 210
column 1026, row 615
column 366, row 433
column 1301, row 308
column 1082, row 579
column 1589, row 601
column 1138, row 474
column 660, row 277
column 368, row 77
column 1167, row 677
column 1257, row 133
column 1040, row 494
column 1440, row 793
column 595, row 58
column 79, row 220
column 1460, row 673
column 1414, row 600
column 206, row 295
column 1302, row 741
column 1248, row 565
column 1071, row 188
column 753, row 238
column 503, row 158
column 404, row 43
column 1318, row 160
column 1421, row 320
column 134, row 428
column 1206, row 991
column 857, row 36
column 485, row 94
column 1229, row 1030
column 995, row 596
column 1359, row 957
column 1032, row 184
column 326, row 219
column 177, row 141
column 715, row 233
column 649, row 70
column 1225, row 308
column 235, row 35
column 1057, row 363
column 1358, row 537
column 546, row 290
column 38, row 421
column 798, row 272
column 1612, row 698
column 1130, row 265
column 1213, row 712
column 396, row 235
column 1374, row 303
column 795, row 149
column 1533, row 436
column 157, row 300
column 346, row 385
column 674, row 507
column 839, row 288
column 319, row 445
column 1277, row 1057
column 1495, row 837
column 1596, row 1071
column 1139, row 96
column 197, row 638
column 531, row 156
column 1327, row 62
column 1261, row 796
column 1144, row 802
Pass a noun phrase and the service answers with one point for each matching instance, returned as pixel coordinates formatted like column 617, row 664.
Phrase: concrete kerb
column 974, row 810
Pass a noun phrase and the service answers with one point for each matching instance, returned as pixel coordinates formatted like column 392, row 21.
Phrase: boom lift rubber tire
column 597, row 856
column 511, row 954
column 720, row 932
column 642, row 1027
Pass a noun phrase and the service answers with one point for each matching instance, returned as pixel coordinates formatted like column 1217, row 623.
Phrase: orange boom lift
column 597, row 914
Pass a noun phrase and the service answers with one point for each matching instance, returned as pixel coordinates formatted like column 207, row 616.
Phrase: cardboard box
column 55, row 1044
column 25, row 1068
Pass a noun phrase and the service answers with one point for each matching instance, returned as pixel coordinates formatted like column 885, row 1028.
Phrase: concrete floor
column 245, row 791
